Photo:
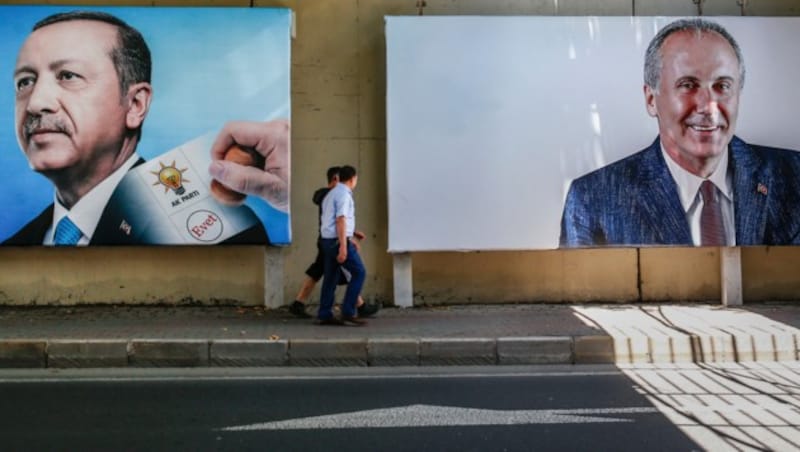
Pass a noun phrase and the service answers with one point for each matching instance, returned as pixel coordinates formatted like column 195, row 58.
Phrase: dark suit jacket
column 108, row 231
column 635, row 201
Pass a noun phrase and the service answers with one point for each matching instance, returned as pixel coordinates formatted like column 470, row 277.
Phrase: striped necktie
column 712, row 230
column 67, row 234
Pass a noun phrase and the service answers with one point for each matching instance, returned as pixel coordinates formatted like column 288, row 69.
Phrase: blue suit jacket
column 635, row 201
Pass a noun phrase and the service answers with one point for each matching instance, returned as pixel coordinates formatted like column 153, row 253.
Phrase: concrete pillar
column 273, row 277
column 403, row 280
column 731, row 275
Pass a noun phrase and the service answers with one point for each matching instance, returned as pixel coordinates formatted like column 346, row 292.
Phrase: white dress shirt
column 689, row 192
column 87, row 211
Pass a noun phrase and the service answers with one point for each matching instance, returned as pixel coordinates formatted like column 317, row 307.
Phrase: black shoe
column 299, row 310
column 333, row 321
column 368, row 309
column 352, row 321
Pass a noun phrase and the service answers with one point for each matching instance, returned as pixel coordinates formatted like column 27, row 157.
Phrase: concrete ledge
column 534, row 350
column 785, row 347
column 594, row 350
column 715, row 347
column 326, row 352
column 168, row 353
column 393, row 352
column 683, row 348
column 248, row 353
column 660, row 348
column 710, row 346
column 753, row 347
column 22, row 353
column 87, row 353
column 457, row 351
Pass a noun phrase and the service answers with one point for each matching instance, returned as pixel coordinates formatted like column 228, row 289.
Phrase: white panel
column 490, row 118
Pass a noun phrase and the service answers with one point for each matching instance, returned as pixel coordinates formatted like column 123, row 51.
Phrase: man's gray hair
column 652, row 59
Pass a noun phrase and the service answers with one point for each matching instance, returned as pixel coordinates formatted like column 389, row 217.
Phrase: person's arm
column 341, row 233
column 358, row 236
column 271, row 140
column 319, row 195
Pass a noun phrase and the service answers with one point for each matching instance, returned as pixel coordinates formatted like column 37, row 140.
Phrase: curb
column 87, row 353
column 168, row 353
column 248, row 353
column 535, row 350
column 457, row 351
column 393, row 352
column 328, row 353
column 600, row 349
column 23, row 353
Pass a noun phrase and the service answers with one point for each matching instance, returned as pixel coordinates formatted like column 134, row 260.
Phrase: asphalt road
column 477, row 409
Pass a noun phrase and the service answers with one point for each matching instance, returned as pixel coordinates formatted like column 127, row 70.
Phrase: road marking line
column 445, row 416
column 165, row 378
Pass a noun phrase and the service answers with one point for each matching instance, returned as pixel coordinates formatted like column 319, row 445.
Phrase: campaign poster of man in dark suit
column 697, row 183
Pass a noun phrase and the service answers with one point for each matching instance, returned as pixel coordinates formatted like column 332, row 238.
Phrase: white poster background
column 490, row 118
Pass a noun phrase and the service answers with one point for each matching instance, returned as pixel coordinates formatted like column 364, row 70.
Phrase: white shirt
column 337, row 203
column 87, row 211
column 689, row 193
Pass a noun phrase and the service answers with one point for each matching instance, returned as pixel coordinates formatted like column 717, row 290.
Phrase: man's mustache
column 34, row 124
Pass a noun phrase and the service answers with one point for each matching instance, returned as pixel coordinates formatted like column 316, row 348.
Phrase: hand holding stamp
column 244, row 157
column 267, row 176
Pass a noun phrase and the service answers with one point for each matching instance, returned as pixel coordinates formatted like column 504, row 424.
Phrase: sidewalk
column 169, row 336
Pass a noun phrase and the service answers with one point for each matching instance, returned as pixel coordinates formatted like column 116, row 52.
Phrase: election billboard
column 145, row 126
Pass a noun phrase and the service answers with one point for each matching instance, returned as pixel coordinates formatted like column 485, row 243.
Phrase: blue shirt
column 337, row 203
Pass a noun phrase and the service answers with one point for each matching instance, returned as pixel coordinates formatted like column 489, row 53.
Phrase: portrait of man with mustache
column 82, row 92
column 697, row 184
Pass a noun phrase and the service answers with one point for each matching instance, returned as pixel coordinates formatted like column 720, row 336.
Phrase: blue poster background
column 210, row 66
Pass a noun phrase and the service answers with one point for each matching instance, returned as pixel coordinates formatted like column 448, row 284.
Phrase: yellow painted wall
column 174, row 275
column 338, row 116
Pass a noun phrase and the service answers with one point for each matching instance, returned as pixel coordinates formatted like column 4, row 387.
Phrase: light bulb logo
column 171, row 178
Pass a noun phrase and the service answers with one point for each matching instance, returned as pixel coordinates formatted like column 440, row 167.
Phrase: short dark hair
column 346, row 173
column 332, row 173
column 131, row 56
column 652, row 59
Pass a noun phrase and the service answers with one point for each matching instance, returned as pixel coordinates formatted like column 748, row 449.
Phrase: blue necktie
column 67, row 233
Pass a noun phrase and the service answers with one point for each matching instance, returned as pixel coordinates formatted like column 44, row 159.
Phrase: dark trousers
column 353, row 264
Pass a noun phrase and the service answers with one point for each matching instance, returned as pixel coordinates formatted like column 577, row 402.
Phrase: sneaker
column 298, row 309
column 353, row 321
column 368, row 309
column 333, row 321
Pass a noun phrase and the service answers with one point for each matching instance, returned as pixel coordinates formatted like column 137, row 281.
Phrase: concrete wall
column 338, row 116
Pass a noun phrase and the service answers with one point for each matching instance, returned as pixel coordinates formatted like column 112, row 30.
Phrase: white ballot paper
column 167, row 200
